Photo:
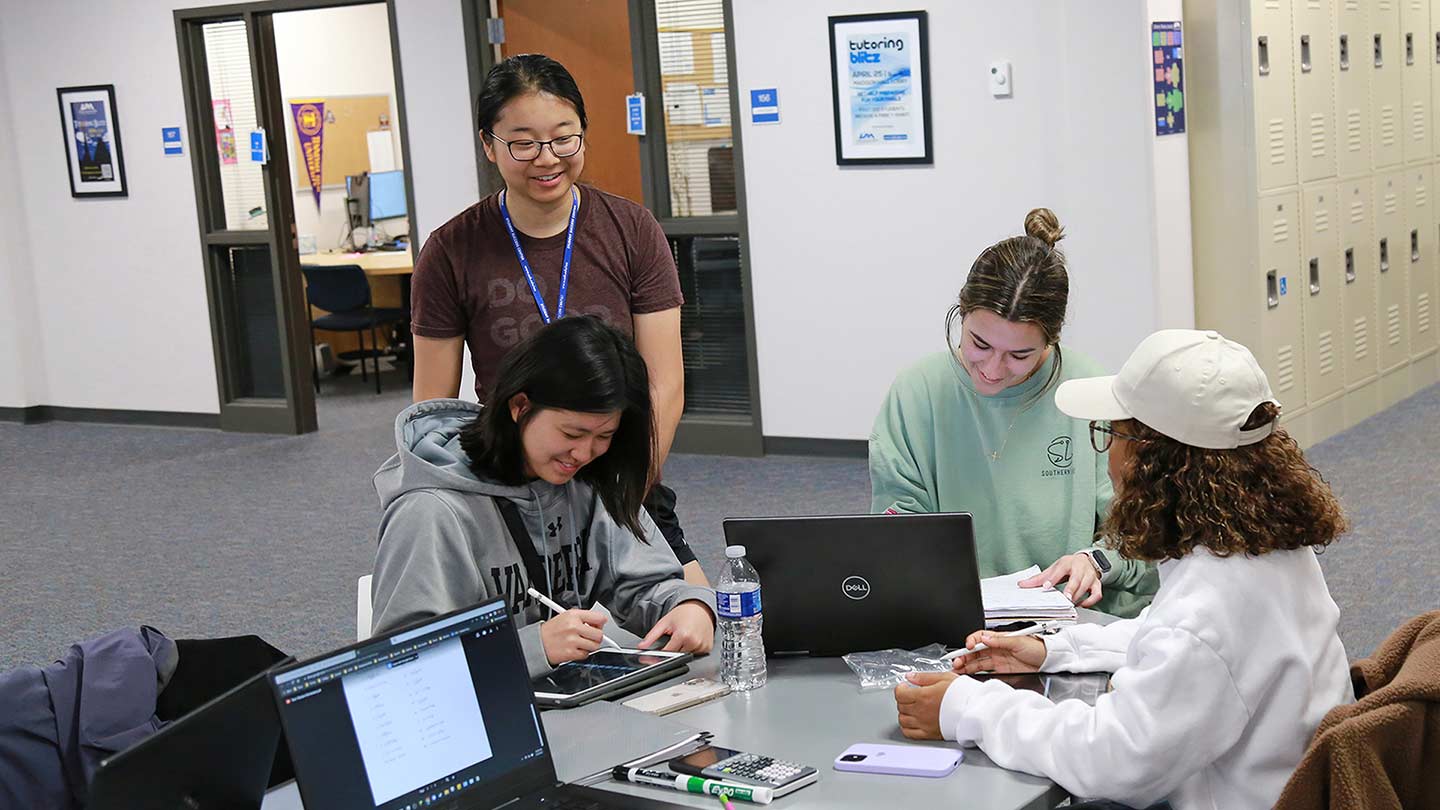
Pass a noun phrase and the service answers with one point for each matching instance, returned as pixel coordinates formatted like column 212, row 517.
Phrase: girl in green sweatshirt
column 975, row 429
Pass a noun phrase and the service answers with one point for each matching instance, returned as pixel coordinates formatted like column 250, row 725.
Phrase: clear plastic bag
column 886, row 669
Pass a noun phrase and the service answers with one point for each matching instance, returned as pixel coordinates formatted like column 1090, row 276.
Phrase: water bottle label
column 738, row 605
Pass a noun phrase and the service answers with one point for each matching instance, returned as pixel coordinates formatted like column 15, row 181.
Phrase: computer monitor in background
column 387, row 195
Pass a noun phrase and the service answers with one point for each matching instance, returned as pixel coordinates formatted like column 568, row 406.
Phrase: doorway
column 297, row 146
column 686, row 168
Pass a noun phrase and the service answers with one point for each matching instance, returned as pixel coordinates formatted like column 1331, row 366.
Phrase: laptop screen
column 415, row 719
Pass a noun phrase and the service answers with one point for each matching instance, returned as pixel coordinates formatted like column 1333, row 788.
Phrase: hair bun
column 1042, row 224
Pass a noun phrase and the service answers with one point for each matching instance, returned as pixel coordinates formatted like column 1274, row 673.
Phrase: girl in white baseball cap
column 1219, row 685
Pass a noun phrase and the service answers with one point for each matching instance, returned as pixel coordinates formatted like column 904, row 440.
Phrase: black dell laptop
column 217, row 757
column 847, row 583
column 440, row 715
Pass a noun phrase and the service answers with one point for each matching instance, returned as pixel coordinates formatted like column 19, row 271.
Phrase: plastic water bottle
column 742, row 650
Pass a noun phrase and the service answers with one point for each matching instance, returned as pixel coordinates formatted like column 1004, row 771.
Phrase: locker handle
column 1345, row 50
column 1349, row 265
column 1272, row 291
column 1384, row 255
column 1264, row 44
column 1314, row 276
column 1437, row 47
column 1414, row 245
column 1409, row 48
column 1379, row 55
column 1304, row 53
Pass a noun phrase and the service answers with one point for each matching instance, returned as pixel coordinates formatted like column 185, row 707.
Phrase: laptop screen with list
column 412, row 719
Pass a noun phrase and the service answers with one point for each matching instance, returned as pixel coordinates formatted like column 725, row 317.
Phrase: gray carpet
column 202, row 533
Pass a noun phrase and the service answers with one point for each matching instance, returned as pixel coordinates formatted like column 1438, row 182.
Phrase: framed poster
column 880, row 86
column 91, row 126
column 1169, row 55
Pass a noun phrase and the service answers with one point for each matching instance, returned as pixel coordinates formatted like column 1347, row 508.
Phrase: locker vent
column 1273, row 5
column 1280, row 230
column 1317, row 135
column 1392, row 325
column 1387, row 125
column 1352, row 5
column 1392, row 202
column 1315, row 5
column 1422, row 313
column 1322, row 220
column 1420, row 195
column 1357, row 212
column 1362, row 339
column 1353, row 124
column 1277, row 142
column 1327, row 352
column 1285, row 369
column 1417, row 120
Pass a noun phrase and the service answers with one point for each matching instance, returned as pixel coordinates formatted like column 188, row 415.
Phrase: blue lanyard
column 525, row 264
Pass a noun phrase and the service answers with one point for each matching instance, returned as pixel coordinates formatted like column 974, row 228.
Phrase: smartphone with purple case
column 902, row 760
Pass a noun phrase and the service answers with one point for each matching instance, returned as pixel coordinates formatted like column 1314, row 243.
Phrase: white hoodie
column 1218, row 687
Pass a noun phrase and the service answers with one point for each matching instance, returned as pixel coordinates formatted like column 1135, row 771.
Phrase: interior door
column 591, row 38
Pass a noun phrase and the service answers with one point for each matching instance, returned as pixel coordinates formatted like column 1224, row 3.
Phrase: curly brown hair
column 1251, row 500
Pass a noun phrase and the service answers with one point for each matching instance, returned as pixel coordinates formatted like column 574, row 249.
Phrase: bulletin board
column 347, row 119
column 693, row 74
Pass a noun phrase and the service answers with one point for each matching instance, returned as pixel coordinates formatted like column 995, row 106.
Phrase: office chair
column 343, row 292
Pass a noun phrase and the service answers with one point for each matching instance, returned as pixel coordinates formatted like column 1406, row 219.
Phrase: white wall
column 21, row 343
column 119, row 297
column 343, row 51
column 853, row 269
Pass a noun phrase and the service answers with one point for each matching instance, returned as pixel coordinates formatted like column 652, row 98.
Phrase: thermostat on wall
column 999, row 79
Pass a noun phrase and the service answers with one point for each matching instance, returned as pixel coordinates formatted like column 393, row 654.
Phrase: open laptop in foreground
column 841, row 584
column 218, row 756
column 439, row 715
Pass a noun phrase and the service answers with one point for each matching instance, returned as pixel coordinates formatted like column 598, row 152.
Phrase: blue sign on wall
column 765, row 106
column 635, row 114
column 170, row 137
column 258, row 152
column 1168, row 58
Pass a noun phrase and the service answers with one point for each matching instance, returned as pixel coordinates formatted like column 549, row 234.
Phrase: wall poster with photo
column 880, row 74
column 91, row 127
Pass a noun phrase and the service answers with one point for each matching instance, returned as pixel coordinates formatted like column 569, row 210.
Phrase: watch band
column 1098, row 559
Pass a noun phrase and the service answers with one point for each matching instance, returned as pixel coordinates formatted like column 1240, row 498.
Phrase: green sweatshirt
column 1041, row 499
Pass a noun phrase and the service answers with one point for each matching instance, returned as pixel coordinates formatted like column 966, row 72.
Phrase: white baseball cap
column 1196, row 387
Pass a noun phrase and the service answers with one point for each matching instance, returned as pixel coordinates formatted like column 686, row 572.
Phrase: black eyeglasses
column 527, row 150
column 1102, row 436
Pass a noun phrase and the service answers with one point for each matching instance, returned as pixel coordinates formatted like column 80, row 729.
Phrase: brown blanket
column 1383, row 751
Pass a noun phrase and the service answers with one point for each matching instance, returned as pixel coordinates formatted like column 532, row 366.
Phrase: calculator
column 745, row 768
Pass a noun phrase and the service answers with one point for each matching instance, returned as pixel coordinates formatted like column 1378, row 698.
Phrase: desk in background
column 389, row 275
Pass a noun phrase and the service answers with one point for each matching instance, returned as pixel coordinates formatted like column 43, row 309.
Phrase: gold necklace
column 979, row 434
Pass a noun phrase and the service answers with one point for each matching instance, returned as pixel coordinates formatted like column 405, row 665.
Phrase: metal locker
column 1314, row 68
column 1433, row 44
column 1281, row 331
column 1272, row 60
column 1416, row 59
column 1393, row 241
column 1359, row 260
column 1386, row 96
column 1420, row 189
column 1352, row 87
column 1324, row 273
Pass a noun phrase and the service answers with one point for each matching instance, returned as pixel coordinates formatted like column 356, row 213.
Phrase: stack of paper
column 1005, row 601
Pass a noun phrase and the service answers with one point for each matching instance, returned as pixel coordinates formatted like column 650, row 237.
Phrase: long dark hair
column 518, row 75
column 1022, row 279
column 582, row 364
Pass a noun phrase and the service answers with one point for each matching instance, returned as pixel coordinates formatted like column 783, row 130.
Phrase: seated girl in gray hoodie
column 563, row 448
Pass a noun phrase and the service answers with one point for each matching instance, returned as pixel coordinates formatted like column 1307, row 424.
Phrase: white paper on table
column 1003, row 594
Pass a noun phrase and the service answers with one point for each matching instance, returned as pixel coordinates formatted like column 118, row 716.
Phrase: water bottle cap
column 734, row 552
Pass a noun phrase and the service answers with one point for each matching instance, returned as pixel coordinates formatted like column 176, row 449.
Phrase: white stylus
column 553, row 605
column 1033, row 630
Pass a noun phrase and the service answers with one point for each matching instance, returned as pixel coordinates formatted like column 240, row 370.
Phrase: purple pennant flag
column 310, row 128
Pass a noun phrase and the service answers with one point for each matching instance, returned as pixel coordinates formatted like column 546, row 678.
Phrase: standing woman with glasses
column 543, row 247
column 975, row 429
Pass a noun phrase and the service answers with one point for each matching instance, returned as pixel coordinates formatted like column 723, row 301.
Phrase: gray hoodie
column 444, row 544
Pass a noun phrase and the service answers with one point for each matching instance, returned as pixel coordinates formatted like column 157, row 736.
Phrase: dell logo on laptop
column 856, row 588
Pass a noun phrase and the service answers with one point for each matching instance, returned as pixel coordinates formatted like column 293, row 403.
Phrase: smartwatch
column 1099, row 560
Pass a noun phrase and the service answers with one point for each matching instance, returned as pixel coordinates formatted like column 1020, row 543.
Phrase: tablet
column 606, row 673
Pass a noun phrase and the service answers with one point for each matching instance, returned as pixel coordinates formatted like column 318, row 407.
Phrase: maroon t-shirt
column 468, row 281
